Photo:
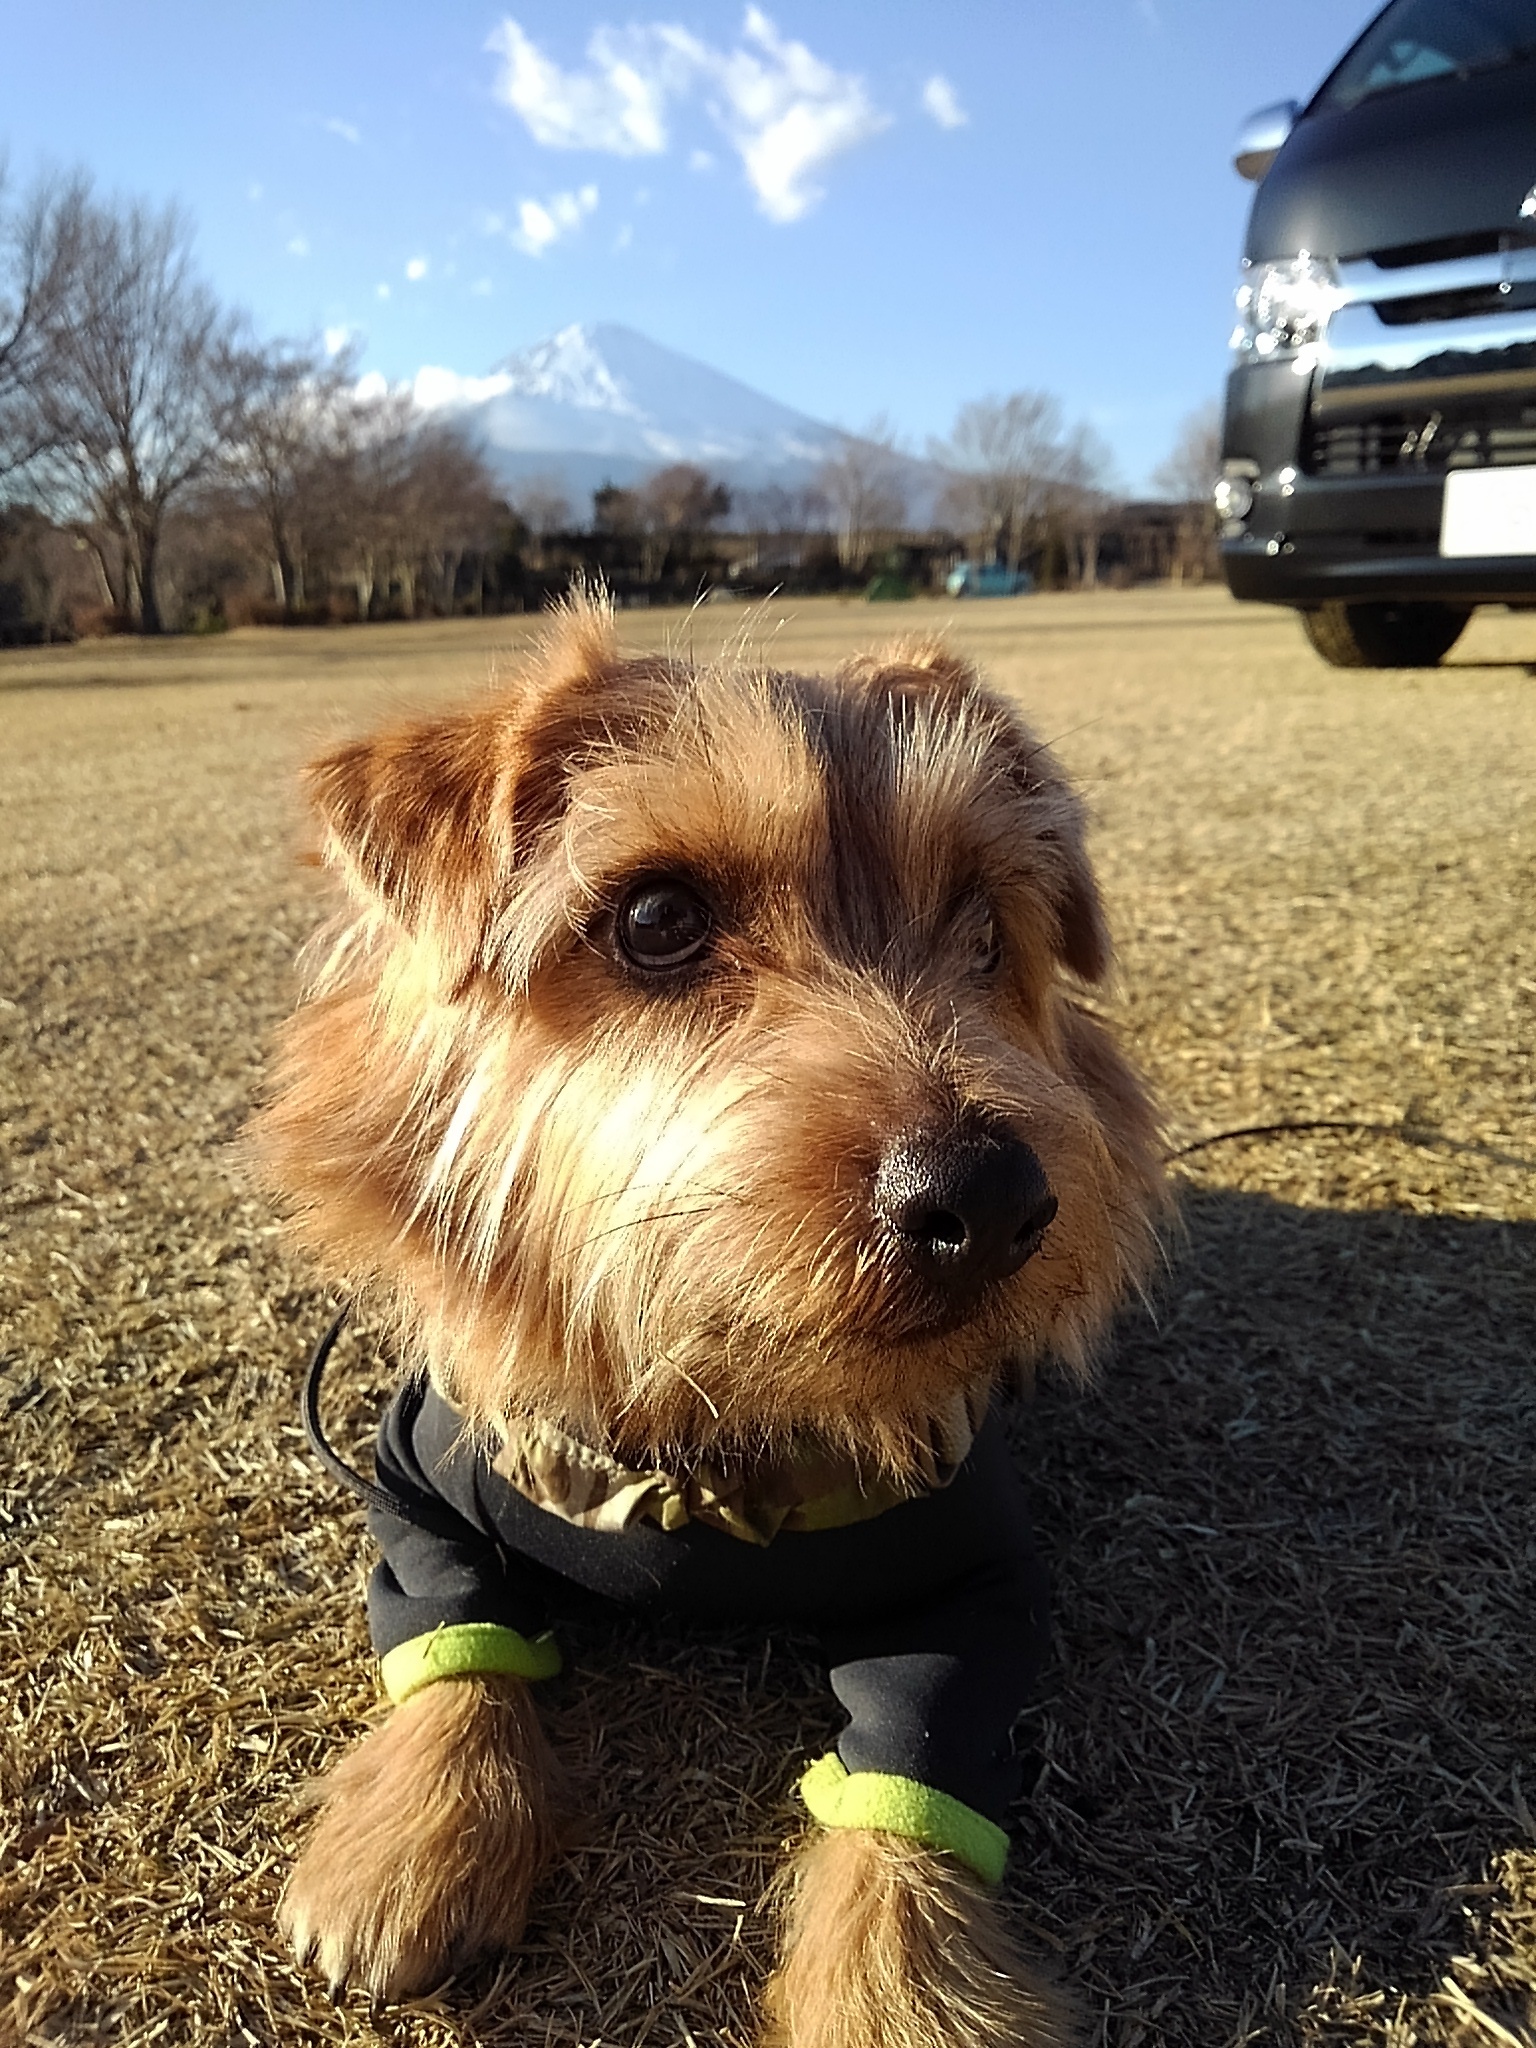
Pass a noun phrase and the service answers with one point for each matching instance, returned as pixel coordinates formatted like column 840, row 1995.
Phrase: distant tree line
column 152, row 446
column 163, row 467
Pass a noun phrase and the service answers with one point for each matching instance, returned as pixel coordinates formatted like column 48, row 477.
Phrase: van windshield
column 1414, row 40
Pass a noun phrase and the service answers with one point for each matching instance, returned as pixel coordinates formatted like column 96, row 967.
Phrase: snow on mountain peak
column 570, row 369
column 602, row 402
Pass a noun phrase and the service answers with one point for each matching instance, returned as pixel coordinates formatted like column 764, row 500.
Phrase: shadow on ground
column 1278, row 1760
column 1294, row 1539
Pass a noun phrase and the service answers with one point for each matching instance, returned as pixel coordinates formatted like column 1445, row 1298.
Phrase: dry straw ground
column 1277, row 1770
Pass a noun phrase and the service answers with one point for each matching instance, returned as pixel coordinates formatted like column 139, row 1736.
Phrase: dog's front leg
column 893, row 1936
column 888, row 1944
column 430, row 1837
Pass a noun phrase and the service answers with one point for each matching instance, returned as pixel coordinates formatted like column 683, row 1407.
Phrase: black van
column 1379, row 447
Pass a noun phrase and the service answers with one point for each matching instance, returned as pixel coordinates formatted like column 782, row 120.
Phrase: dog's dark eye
column 662, row 925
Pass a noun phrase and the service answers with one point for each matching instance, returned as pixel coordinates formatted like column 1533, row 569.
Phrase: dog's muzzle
column 966, row 1206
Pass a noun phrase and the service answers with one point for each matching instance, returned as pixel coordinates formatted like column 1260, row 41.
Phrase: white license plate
column 1489, row 512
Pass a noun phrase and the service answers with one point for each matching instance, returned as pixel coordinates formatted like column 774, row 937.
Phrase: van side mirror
column 1260, row 138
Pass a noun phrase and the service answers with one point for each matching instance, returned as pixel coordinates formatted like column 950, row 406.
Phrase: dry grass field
column 1284, row 1767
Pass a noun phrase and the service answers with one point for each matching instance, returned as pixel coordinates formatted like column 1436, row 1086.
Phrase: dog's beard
column 679, row 1254
column 646, row 1205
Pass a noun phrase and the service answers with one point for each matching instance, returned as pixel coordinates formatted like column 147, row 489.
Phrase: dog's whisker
column 653, row 1216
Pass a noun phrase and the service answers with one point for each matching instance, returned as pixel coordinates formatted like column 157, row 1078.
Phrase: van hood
column 1435, row 162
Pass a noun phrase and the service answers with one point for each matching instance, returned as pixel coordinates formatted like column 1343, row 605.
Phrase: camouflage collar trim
column 807, row 1489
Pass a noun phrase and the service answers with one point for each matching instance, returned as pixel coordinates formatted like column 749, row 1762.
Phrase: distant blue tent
column 988, row 579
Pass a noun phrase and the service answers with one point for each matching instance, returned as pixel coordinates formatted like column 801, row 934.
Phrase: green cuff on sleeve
column 467, row 1649
column 839, row 1798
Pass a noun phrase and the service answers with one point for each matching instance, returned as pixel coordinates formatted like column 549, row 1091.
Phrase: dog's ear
column 1058, row 825
column 923, row 661
column 1083, row 943
column 427, row 821
column 414, row 820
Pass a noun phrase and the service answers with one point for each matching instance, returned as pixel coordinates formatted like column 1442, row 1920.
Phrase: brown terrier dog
column 696, row 1082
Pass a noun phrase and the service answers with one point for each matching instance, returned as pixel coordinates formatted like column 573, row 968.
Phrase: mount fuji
column 603, row 404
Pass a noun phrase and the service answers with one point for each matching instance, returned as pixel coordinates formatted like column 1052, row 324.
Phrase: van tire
column 1384, row 635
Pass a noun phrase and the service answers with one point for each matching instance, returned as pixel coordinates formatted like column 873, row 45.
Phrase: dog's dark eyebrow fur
column 913, row 781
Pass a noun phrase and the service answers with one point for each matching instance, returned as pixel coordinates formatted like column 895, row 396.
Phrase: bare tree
column 359, row 491
column 136, row 400
column 451, row 507
column 1187, row 477
column 1195, row 461
column 676, row 505
column 39, row 260
column 287, row 421
column 865, row 490
column 42, row 576
column 1085, row 495
column 773, row 508
column 544, row 506
column 616, row 510
column 401, row 501
column 1004, row 456
column 683, row 499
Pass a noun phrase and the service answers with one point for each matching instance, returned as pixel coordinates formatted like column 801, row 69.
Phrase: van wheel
column 1384, row 635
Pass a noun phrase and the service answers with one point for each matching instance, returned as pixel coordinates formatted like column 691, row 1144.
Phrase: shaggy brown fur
column 430, row 1839
column 639, row 1207
column 887, row 1945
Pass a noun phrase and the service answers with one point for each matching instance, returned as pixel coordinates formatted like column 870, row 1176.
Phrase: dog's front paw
column 890, row 1945
column 430, row 1837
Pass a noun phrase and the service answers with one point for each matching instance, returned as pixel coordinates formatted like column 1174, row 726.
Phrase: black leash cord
column 420, row 1513
column 1316, row 1123
column 1408, row 1133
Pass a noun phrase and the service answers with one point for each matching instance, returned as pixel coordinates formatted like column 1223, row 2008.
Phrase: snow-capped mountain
column 603, row 403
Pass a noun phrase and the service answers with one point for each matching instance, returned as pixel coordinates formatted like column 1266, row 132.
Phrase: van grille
column 1419, row 443
column 1469, row 303
column 1451, row 248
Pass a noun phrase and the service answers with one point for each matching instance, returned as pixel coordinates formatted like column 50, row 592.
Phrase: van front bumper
column 1345, row 445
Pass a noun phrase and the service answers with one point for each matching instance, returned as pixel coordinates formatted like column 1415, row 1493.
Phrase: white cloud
column 481, row 288
column 701, row 160
column 336, row 339
column 942, row 101
column 381, row 291
column 374, row 385
column 254, row 192
column 345, row 130
column 618, row 106
column 623, row 238
column 299, row 246
column 784, row 111
column 541, row 223
column 433, row 388
column 789, row 115
column 416, row 269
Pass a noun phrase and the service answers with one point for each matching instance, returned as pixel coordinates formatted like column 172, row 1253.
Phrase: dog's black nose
column 966, row 1205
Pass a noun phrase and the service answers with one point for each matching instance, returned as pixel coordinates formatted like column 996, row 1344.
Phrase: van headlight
column 1233, row 498
column 1281, row 307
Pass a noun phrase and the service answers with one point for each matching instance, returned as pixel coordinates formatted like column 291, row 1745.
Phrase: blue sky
column 858, row 209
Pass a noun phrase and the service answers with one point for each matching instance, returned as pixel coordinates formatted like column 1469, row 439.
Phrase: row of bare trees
column 351, row 487
column 1016, row 478
column 137, row 411
column 132, row 401
column 1011, row 476
column 1020, row 475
